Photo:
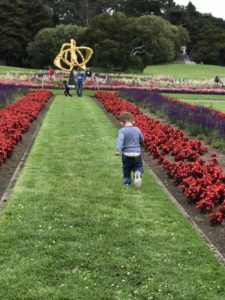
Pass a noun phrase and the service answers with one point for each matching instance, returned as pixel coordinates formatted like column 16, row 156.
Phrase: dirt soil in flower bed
column 10, row 170
column 213, row 235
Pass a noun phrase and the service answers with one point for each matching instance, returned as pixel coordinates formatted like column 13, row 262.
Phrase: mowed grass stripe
column 219, row 105
column 71, row 231
column 216, row 102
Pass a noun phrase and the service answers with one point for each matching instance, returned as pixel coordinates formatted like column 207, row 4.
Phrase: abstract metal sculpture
column 73, row 57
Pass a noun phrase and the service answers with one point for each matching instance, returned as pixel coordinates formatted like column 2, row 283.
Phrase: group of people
column 80, row 78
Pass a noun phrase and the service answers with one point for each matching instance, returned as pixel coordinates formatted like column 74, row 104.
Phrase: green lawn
column 195, row 72
column 217, row 106
column 6, row 69
column 72, row 231
column 216, row 102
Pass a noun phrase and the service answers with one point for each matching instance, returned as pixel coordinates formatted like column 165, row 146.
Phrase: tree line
column 123, row 33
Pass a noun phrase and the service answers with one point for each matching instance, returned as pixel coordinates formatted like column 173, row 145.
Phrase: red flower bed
column 203, row 184
column 16, row 119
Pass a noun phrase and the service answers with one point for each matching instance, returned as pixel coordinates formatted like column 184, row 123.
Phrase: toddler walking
column 129, row 142
column 66, row 89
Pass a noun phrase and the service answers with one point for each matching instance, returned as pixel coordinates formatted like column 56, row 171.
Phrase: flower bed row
column 207, row 118
column 15, row 119
column 27, row 84
column 150, row 81
column 202, row 183
column 216, row 91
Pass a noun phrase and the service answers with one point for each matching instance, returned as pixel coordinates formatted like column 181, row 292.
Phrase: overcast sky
column 215, row 7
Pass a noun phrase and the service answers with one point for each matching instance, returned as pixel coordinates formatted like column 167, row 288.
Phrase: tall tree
column 202, row 28
column 124, row 42
column 210, row 47
column 144, row 7
column 48, row 41
column 20, row 20
column 79, row 12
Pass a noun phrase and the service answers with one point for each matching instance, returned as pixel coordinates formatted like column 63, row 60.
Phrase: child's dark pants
column 67, row 92
column 131, row 164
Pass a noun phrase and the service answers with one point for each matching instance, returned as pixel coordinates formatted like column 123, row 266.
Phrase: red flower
column 216, row 219
column 15, row 119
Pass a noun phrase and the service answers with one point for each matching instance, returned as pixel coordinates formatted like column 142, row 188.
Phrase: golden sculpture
column 72, row 56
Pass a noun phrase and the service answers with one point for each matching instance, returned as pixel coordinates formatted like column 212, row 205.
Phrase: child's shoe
column 137, row 178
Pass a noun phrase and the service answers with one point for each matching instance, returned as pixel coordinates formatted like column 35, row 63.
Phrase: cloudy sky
column 215, row 7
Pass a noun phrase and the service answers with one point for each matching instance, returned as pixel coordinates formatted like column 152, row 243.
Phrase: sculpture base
column 187, row 62
column 183, row 59
column 72, row 81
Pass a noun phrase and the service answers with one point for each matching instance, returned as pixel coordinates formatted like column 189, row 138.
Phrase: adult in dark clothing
column 217, row 80
column 81, row 76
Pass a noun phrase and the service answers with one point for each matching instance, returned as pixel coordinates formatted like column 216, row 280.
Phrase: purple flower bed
column 207, row 118
column 7, row 90
column 28, row 84
column 216, row 91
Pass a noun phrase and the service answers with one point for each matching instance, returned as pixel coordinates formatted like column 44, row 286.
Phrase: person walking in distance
column 129, row 142
column 81, row 77
column 50, row 73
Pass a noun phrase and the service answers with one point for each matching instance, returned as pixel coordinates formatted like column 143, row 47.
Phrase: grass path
column 71, row 230
column 216, row 102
